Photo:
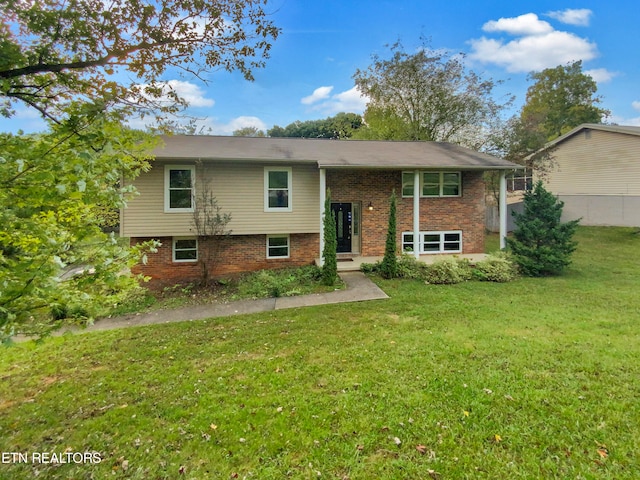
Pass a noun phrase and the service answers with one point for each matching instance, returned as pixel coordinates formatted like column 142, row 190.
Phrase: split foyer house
column 595, row 171
column 275, row 190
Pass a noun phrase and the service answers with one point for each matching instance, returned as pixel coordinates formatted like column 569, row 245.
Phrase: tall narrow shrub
column 329, row 252
column 389, row 265
column 542, row 244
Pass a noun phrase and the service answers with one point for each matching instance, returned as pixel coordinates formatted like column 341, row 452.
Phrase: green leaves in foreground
column 52, row 186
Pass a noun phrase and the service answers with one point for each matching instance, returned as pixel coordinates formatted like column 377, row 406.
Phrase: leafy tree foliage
column 329, row 252
column 428, row 95
column 210, row 225
column 542, row 244
column 561, row 98
column 85, row 65
column 389, row 264
column 50, row 185
column 52, row 53
column 341, row 126
column 248, row 132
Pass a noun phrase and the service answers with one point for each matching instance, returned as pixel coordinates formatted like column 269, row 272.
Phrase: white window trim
column 288, row 246
column 289, row 206
column 441, row 183
column 173, row 250
column 167, row 170
column 441, row 249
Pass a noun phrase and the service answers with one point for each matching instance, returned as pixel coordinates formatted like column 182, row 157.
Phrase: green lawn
column 538, row 378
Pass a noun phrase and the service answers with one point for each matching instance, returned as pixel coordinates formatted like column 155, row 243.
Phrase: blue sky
column 323, row 42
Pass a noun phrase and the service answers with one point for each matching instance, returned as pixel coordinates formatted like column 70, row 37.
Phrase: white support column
column 416, row 214
column 323, row 198
column 502, row 209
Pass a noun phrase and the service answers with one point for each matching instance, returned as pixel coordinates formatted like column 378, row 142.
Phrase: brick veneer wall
column 464, row 213
column 239, row 253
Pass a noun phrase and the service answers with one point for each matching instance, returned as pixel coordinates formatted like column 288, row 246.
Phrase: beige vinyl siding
column 239, row 189
column 596, row 163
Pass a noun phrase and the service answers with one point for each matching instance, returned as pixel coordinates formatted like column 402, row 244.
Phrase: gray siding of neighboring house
column 239, row 190
column 605, row 210
column 597, row 174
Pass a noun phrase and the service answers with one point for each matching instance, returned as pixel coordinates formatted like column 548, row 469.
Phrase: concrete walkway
column 359, row 288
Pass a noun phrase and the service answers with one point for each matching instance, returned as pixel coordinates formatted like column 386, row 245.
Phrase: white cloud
column 636, row 105
column 190, row 92
column 238, row 123
column 351, row 101
column 206, row 125
column 537, row 45
column 618, row 120
column 601, row 75
column 527, row 24
column 573, row 16
column 318, row 94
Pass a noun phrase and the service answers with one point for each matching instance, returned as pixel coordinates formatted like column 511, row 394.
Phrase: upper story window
column 179, row 181
column 277, row 189
column 433, row 184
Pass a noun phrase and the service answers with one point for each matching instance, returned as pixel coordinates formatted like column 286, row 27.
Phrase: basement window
column 185, row 249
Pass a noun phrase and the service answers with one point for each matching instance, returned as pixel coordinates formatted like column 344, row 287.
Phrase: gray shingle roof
column 330, row 153
column 625, row 129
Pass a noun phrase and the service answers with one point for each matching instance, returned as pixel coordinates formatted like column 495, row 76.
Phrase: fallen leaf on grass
column 603, row 452
column 397, row 441
column 422, row 449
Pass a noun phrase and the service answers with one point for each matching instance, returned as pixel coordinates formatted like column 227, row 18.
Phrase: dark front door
column 342, row 212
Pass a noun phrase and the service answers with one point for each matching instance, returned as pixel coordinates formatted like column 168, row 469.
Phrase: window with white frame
column 407, row 242
column 441, row 184
column 277, row 189
column 434, row 242
column 407, row 184
column 185, row 249
column 433, row 184
column 277, row 246
column 179, row 181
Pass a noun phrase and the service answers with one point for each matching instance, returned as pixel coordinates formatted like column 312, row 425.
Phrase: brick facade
column 464, row 213
column 239, row 253
column 243, row 253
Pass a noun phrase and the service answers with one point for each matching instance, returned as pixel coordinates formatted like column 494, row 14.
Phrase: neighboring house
column 274, row 189
column 596, row 173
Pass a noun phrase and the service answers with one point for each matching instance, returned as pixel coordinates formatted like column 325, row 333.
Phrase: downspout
column 323, row 198
column 416, row 214
column 502, row 209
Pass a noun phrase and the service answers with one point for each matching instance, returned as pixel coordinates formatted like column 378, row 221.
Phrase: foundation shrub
column 448, row 271
column 497, row 267
column 278, row 283
column 409, row 267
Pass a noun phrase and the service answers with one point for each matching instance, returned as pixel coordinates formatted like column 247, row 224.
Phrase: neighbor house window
column 277, row 246
column 277, row 189
column 179, row 181
column 433, row 184
column 185, row 249
column 434, row 242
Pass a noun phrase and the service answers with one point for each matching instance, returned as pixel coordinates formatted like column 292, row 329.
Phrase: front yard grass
column 537, row 378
